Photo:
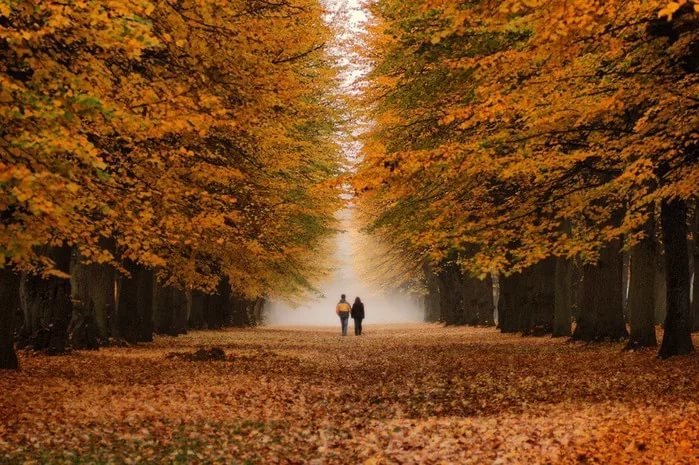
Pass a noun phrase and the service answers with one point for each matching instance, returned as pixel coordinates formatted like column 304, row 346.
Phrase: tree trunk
column 47, row 306
column 239, row 316
column 258, row 311
column 450, row 293
column 640, row 304
column 92, row 292
column 127, row 305
column 144, row 304
column 196, row 315
column 432, row 311
column 602, row 314
column 169, row 310
column 485, row 301
column 677, row 339
column 537, row 304
column 577, row 290
column 181, row 316
column 478, row 301
column 563, row 297
column 9, row 303
column 216, row 310
column 625, row 283
column 659, row 284
column 510, row 296
column 695, row 267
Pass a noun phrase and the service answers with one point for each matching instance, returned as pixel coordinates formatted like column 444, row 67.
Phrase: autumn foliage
column 192, row 139
column 177, row 130
column 537, row 141
column 525, row 167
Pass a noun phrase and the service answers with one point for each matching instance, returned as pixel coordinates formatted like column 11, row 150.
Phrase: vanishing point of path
column 400, row 394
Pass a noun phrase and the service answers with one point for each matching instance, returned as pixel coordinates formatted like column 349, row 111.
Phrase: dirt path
column 399, row 394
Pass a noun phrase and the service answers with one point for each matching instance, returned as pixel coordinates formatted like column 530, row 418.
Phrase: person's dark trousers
column 357, row 326
column 343, row 323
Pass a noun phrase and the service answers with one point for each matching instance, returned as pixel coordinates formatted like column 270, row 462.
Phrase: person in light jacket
column 343, row 310
column 357, row 315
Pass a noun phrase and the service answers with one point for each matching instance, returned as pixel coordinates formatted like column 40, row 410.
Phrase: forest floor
column 418, row 394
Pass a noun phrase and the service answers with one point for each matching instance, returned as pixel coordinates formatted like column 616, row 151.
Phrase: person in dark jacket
column 357, row 315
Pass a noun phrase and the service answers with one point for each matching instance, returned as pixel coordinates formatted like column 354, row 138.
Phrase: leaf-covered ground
column 404, row 394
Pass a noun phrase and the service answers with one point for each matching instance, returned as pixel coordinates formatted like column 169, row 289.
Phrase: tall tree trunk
column 432, row 297
column 197, row 311
column 47, row 306
column 625, row 283
column 695, row 268
column 9, row 303
column 537, row 305
column 126, row 317
column 659, row 283
column 145, row 279
column 485, row 301
column 477, row 300
column 216, row 310
column 181, row 315
column 450, row 293
column 602, row 314
column 469, row 300
column 258, row 311
column 677, row 339
column 641, row 304
column 577, row 290
column 94, row 303
column 563, row 297
column 169, row 310
column 511, row 294
column 239, row 316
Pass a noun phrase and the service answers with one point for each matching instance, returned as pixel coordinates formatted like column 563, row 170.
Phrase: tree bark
column 216, row 310
column 478, row 301
column 126, row 317
column 677, row 339
column 451, row 295
column 695, row 267
column 181, row 310
column 563, row 298
column 510, row 295
column 258, row 311
column 196, row 315
column 659, row 284
column 169, row 310
column 9, row 303
column 602, row 314
column 432, row 311
column 144, row 304
column 536, row 307
column 641, row 304
column 577, row 290
column 47, row 306
column 625, row 283
column 94, row 303
column 240, row 316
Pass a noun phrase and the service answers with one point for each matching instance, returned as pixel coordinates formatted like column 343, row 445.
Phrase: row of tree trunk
column 603, row 299
column 98, row 306
column 455, row 298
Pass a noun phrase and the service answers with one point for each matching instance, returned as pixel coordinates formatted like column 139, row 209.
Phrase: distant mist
column 381, row 307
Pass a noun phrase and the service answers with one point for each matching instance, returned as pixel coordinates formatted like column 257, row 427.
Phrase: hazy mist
column 381, row 307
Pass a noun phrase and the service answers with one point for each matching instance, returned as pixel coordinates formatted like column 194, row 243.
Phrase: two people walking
column 356, row 311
